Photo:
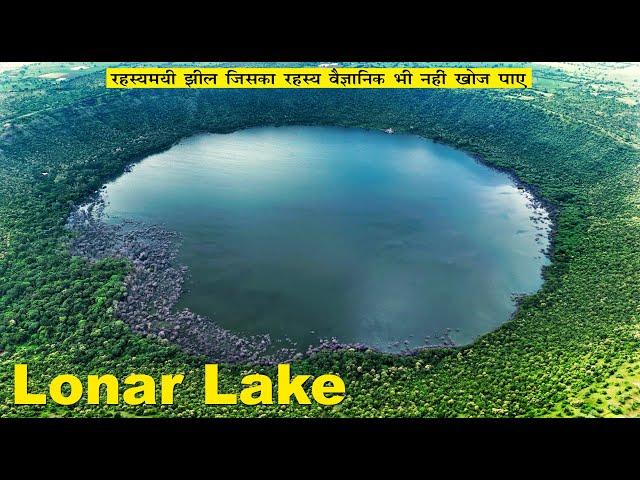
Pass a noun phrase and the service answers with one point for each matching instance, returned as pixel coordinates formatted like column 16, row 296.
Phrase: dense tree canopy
column 569, row 350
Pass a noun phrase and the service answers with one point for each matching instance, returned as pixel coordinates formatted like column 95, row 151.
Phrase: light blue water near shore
column 312, row 232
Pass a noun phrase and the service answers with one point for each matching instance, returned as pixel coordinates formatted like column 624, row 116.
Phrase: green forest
column 570, row 350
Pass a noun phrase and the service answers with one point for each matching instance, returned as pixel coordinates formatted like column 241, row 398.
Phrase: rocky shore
column 154, row 286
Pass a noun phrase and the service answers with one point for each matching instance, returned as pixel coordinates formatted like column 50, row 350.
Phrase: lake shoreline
column 250, row 349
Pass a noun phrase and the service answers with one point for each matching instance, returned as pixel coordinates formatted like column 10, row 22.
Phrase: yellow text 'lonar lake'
column 319, row 77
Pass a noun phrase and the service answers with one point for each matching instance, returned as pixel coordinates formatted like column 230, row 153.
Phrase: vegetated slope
column 56, row 312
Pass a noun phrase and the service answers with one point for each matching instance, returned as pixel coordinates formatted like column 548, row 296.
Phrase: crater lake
column 319, row 232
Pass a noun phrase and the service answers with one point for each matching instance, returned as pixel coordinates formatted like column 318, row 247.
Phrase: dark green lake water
column 311, row 232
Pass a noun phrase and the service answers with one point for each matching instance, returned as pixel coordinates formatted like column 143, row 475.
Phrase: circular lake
column 314, row 232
